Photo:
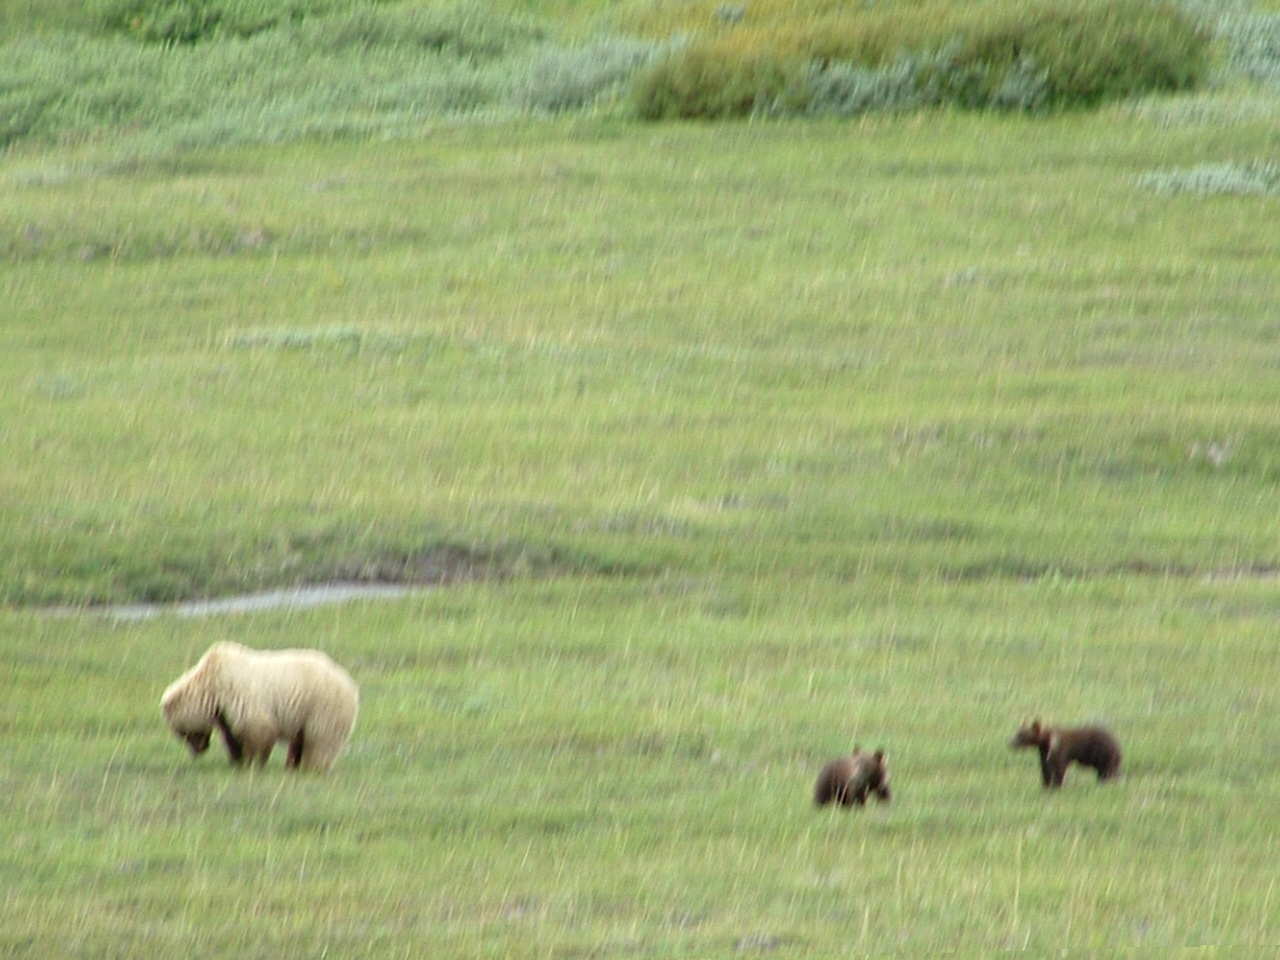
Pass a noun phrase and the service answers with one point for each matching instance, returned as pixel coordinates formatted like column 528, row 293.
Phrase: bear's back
column 833, row 781
column 1094, row 747
column 284, row 677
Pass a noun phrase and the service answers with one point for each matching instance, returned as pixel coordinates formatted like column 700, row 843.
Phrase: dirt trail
column 294, row 598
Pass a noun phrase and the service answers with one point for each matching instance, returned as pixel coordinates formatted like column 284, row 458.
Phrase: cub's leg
column 1057, row 770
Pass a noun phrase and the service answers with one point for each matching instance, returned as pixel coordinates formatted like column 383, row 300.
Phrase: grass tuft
column 306, row 338
column 1216, row 178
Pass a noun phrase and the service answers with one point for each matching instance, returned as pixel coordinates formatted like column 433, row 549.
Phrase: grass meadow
column 733, row 445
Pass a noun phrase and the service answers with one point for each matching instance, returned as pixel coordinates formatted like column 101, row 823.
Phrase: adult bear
column 256, row 697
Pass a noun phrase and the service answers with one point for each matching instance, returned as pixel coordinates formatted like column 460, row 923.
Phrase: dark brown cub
column 848, row 780
column 1061, row 746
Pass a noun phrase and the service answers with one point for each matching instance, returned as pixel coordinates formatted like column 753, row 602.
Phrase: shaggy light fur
column 255, row 698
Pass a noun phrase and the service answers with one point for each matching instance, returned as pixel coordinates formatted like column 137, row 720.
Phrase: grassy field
column 605, row 769
column 750, row 441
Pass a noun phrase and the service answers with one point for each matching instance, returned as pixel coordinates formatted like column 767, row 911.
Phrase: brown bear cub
column 1060, row 746
column 848, row 780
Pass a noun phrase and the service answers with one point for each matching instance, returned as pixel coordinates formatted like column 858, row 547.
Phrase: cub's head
column 879, row 768
column 871, row 772
column 185, row 717
column 1029, row 735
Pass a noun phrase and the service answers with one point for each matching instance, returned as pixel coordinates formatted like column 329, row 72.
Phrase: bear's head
column 879, row 769
column 187, row 718
column 1029, row 735
column 871, row 772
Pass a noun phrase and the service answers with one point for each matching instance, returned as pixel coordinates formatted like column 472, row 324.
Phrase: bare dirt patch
column 385, row 577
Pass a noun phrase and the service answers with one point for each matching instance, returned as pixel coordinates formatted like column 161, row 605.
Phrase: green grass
column 366, row 72
column 610, row 768
column 863, row 352
column 907, row 431
column 780, row 437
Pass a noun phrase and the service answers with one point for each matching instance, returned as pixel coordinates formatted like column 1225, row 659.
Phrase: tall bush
column 1049, row 54
column 713, row 81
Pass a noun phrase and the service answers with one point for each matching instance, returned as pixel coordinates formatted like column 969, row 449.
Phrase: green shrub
column 1090, row 52
column 170, row 22
column 460, row 31
column 712, row 82
column 1045, row 55
column 1253, row 43
column 567, row 79
column 846, row 90
column 466, row 30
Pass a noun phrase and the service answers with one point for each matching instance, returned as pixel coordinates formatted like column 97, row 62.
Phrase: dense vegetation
column 840, row 59
column 727, row 445
column 169, row 22
column 176, row 74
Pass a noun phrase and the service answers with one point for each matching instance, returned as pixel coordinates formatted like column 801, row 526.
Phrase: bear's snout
column 198, row 742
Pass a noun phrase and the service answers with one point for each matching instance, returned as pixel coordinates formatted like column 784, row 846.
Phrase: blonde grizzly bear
column 257, row 697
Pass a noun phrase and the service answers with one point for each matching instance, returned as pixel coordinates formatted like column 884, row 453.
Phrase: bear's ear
column 879, row 754
column 1035, row 725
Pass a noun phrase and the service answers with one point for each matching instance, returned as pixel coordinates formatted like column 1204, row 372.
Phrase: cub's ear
column 1035, row 725
column 879, row 754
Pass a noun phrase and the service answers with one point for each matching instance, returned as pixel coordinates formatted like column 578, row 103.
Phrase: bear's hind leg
column 317, row 754
column 324, row 737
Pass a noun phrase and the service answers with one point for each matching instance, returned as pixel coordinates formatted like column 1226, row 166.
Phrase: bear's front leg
column 250, row 741
column 235, row 747
column 1057, row 765
column 257, row 747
